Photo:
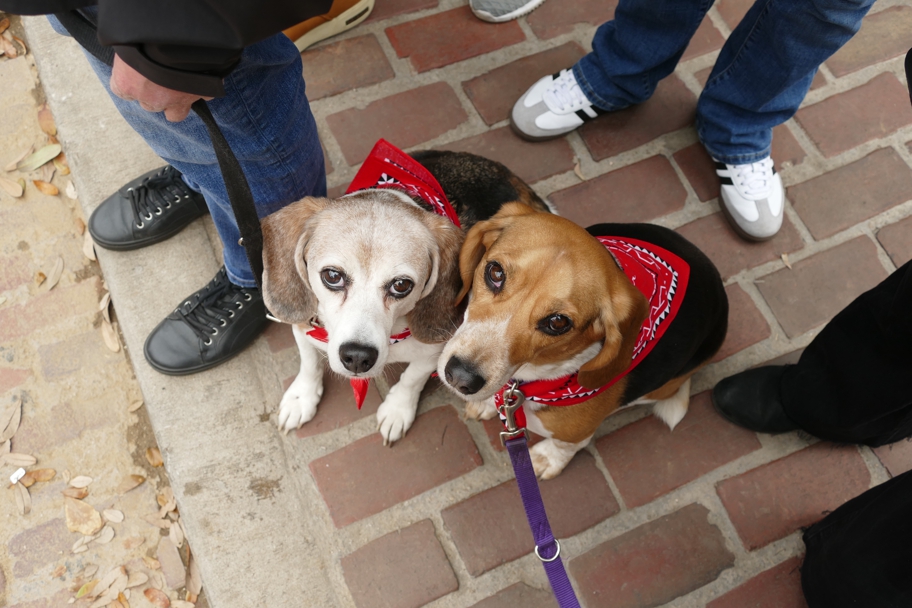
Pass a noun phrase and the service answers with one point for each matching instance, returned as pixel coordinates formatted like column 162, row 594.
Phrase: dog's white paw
column 395, row 416
column 550, row 456
column 299, row 404
column 480, row 410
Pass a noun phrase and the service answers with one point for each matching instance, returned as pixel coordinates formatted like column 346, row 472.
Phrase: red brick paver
column 490, row 528
column 783, row 496
column 778, row 587
column 897, row 240
column 705, row 40
column 729, row 252
column 519, row 595
column 877, row 109
column 654, row 563
column 897, row 457
column 882, row 36
column 403, row 569
column 853, row 193
column 530, row 161
column 405, row 119
column 494, row 93
column 671, row 107
column 337, row 406
column 365, row 477
column 647, row 460
column 341, row 66
column 746, row 325
column 451, row 36
column 640, row 192
column 555, row 18
column 815, row 289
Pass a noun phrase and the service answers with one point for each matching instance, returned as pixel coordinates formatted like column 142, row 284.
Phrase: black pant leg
column 853, row 383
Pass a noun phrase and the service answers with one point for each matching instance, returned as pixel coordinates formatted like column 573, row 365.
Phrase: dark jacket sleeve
column 186, row 45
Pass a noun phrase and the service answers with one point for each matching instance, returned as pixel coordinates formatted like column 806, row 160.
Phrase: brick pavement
column 706, row 515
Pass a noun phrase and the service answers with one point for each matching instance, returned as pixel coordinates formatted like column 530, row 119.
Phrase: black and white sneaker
column 148, row 209
column 211, row 326
column 752, row 198
column 553, row 106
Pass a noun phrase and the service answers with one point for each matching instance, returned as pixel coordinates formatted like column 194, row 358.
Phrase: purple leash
column 547, row 548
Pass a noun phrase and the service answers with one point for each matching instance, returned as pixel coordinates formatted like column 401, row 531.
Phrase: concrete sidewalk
column 707, row 515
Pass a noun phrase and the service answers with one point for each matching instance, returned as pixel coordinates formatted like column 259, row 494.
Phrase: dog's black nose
column 357, row 358
column 463, row 377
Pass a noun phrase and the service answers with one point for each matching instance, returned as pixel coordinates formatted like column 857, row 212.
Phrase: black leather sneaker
column 149, row 209
column 751, row 400
column 211, row 326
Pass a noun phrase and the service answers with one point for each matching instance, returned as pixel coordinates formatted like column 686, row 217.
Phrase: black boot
column 149, row 209
column 211, row 326
column 751, row 400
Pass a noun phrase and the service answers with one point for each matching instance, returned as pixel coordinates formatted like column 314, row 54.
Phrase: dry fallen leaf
column 785, row 260
column 81, row 481
column 80, row 226
column 4, row 24
column 46, row 172
column 81, row 517
column 58, row 571
column 113, row 515
column 135, row 405
column 103, row 306
column 157, row 598
column 90, row 570
column 136, row 579
column 40, row 277
column 77, row 493
column 21, row 43
column 12, row 165
column 46, row 120
column 56, row 273
column 176, row 534
column 39, row 157
column 110, row 337
column 12, row 188
column 157, row 521
column 182, row 604
column 194, row 580
column 70, row 190
column 578, row 171
column 133, row 542
column 46, row 188
column 8, row 48
column 171, row 565
column 88, row 246
column 18, row 460
column 153, row 455
column 109, row 579
column 27, row 480
column 106, row 535
column 43, row 474
column 23, row 499
column 129, row 483
column 151, row 563
column 10, row 419
column 87, row 588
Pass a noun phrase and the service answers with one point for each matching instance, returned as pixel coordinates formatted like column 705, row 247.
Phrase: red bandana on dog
column 662, row 277
column 389, row 167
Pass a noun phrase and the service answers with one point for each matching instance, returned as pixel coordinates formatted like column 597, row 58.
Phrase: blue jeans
column 761, row 76
column 267, row 121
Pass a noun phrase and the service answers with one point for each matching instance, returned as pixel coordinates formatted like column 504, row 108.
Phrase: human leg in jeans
column 266, row 120
column 759, row 80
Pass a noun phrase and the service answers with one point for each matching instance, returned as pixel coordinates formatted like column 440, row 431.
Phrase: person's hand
column 130, row 85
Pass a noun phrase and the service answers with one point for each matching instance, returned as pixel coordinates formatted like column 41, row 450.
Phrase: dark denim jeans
column 267, row 121
column 759, row 80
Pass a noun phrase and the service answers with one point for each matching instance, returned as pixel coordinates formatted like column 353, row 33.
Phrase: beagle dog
column 582, row 322
column 371, row 278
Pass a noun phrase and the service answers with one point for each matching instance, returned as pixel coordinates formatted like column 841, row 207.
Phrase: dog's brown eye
column 495, row 276
column 401, row 288
column 333, row 279
column 555, row 325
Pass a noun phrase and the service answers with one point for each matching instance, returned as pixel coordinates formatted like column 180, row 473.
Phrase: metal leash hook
column 513, row 399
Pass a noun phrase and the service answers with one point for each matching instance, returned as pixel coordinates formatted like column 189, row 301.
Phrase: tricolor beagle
column 583, row 325
column 371, row 278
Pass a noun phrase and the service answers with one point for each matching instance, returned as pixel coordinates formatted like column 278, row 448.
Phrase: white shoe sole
column 521, row 11
column 342, row 23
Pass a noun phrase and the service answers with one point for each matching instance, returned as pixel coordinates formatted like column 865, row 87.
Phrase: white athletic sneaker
column 551, row 107
column 498, row 11
column 752, row 198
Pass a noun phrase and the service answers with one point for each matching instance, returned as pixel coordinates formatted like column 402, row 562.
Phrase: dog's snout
column 463, row 377
column 357, row 358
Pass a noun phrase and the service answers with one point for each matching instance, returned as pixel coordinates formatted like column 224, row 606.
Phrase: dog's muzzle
column 463, row 377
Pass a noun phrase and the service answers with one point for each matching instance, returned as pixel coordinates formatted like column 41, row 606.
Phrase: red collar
column 389, row 167
column 661, row 277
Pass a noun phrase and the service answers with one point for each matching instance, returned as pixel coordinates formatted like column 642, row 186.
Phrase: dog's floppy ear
column 286, row 289
column 480, row 238
column 623, row 310
column 436, row 316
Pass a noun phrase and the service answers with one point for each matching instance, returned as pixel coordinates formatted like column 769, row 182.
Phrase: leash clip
column 513, row 399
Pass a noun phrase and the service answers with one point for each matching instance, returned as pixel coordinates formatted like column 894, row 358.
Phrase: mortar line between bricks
column 876, row 468
column 601, row 466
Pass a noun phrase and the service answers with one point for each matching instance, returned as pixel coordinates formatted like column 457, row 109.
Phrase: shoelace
column 754, row 178
column 156, row 194
column 564, row 93
column 214, row 307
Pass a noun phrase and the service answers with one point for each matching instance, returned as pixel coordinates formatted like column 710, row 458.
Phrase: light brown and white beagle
column 585, row 321
column 371, row 278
